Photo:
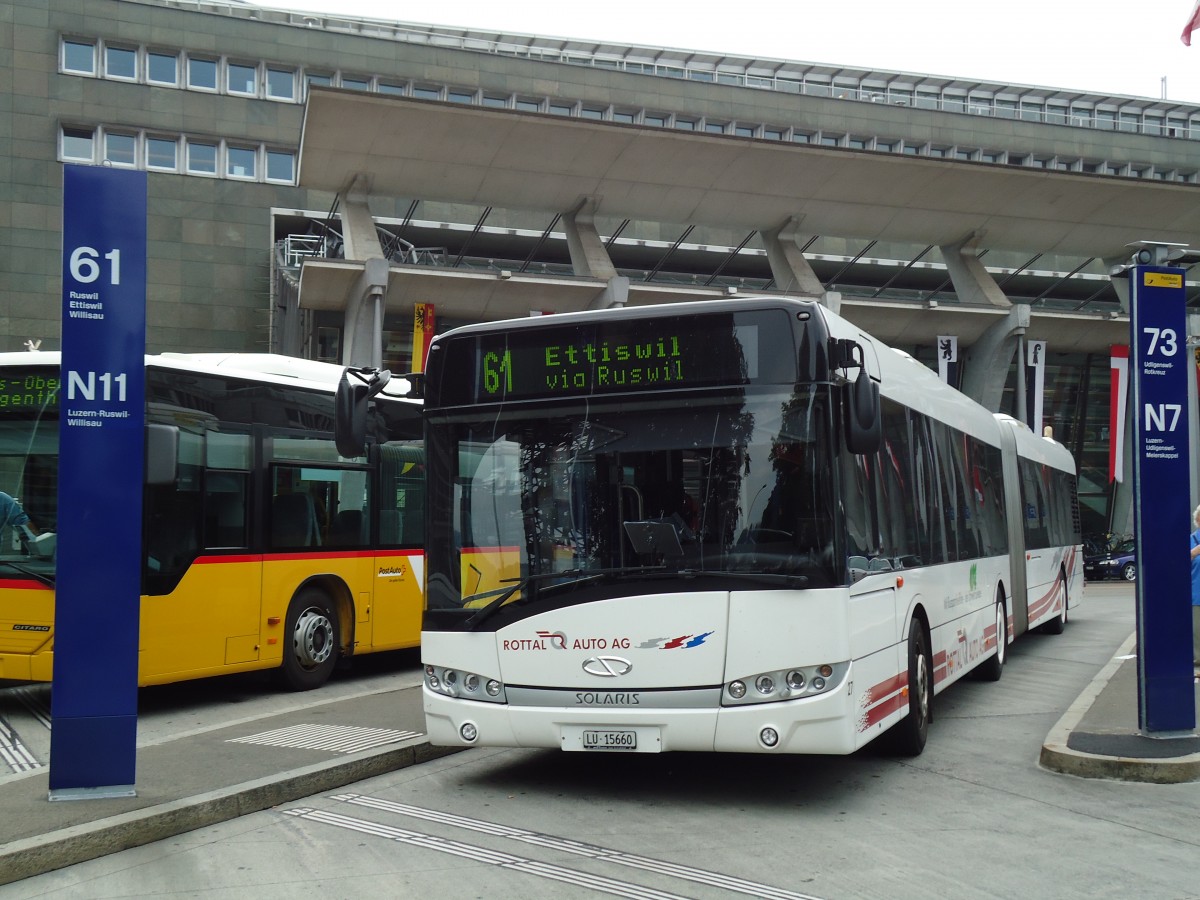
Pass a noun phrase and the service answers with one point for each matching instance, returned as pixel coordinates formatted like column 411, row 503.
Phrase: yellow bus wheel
column 312, row 640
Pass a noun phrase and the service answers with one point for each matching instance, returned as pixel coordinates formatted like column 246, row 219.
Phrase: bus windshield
column 735, row 485
column 28, row 472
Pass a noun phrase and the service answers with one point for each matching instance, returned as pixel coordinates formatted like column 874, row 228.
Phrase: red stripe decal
column 884, row 699
column 301, row 554
column 21, row 584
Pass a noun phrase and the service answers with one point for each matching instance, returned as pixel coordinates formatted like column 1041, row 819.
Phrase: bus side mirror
column 355, row 389
column 162, row 454
column 864, row 425
column 350, row 417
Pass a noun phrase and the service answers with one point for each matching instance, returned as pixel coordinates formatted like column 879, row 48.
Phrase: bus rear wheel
column 312, row 640
column 1058, row 624
column 907, row 737
column 993, row 667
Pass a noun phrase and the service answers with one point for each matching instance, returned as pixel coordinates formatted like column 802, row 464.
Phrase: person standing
column 13, row 516
column 1196, row 589
column 11, row 512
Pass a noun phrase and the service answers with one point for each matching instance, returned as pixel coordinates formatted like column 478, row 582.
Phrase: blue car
column 1118, row 561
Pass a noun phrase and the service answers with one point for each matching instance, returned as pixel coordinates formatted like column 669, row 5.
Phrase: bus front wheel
column 312, row 640
column 908, row 736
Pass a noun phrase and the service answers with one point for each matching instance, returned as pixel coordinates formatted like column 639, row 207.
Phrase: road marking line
column 489, row 857
column 334, row 738
column 592, row 851
column 13, row 752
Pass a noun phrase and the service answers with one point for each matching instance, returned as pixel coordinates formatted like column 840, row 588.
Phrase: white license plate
column 609, row 740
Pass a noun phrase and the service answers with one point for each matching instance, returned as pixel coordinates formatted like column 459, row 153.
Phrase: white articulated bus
column 736, row 525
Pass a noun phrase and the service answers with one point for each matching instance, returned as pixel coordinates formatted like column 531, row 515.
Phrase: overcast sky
column 1093, row 45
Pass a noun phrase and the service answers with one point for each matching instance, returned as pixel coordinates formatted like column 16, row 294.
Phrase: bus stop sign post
column 1161, row 484
column 93, row 736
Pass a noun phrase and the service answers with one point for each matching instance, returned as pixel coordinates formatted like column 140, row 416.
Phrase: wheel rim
column 312, row 640
column 1001, row 634
column 1130, row 573
column 922, row 684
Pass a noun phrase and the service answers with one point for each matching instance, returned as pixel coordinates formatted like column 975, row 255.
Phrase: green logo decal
column 974, row 576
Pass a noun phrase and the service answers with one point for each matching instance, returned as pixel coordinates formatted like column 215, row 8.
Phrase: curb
column 1058, row 757
column 80, row 843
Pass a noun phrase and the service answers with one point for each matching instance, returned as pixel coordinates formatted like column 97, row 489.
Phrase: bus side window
column 225, row 509
column 401, row 495
column 171, row 529
column 295, row 518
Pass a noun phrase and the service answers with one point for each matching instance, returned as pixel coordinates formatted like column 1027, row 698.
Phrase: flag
column 1193, row 23
column 1035, row 383
column 947, row 353
column 424, row 317
column 1118, row 398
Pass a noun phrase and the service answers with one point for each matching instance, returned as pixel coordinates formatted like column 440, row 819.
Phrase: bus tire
column 312, row 640
column 1059, row 623
column 908, row 736
column 993, row 667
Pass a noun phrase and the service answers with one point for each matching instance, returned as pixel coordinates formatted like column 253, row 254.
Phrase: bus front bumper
column 826, row 724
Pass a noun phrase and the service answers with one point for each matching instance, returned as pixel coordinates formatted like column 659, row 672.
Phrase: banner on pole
column 424, row 326
column 1035, row 383
column 947, row 345
column 1118, row 399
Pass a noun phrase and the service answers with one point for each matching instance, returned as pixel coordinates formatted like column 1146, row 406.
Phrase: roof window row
column 174, row 68
column 157, row 152
column 1028, row 104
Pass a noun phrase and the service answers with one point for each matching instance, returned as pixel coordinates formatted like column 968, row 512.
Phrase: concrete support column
column 789, row 268
column 589, row 256
column 615, row 293
column 989, row 358
column 358, row 229
column 972, row 282
column 362, row 333
column 1120, row 281
column 289, row 340
column 362, row 330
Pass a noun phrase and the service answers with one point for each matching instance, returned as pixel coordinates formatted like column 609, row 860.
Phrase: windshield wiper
column 794, row 581
column 573, row 577
column 47, row 580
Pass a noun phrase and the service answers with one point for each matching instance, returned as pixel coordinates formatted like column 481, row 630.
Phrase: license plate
column 610, row 740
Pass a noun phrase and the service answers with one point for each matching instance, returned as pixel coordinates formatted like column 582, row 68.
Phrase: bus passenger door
column 872, row 621
column 1041, row 562
column 200, row 612
column 399, row 576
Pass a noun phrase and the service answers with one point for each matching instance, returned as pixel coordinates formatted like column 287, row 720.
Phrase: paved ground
column 217, row 775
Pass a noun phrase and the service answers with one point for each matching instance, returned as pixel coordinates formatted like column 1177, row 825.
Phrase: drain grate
column 334, row 738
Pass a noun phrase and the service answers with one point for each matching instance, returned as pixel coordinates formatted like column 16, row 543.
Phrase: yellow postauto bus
column 263, row 546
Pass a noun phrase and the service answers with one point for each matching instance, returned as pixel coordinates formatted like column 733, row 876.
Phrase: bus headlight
column 795, row 683
column 463, row 685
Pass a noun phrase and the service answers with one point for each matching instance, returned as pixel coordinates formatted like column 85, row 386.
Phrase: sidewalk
column 1098, row 737
column 213, row 777
column 216, row 776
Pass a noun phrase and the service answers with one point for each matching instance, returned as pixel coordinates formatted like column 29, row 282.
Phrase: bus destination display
column 34, row 389
column 648, row 355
